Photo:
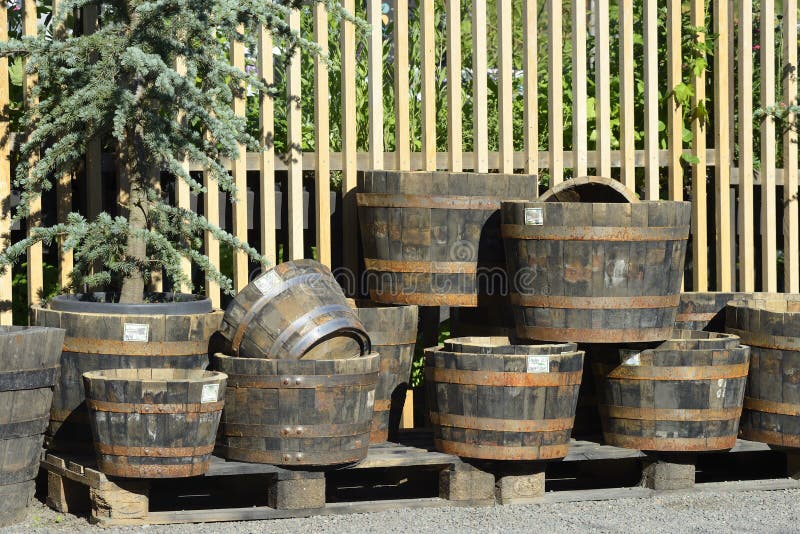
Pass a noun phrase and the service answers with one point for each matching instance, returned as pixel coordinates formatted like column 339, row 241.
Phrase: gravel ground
column 756, row 511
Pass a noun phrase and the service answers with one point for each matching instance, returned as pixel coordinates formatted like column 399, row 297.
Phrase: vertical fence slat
column 239, row 172
column 428, row 55
column 375, row 84
column 94, row 148
column 699, row 226
column 627, row 125
column 722, row 146
column 530, row 55
column 651, row 101
column 211, row 245
column 674, row 110
column 505, row 100
column 63, row 188
column 555, row 97
column 579, row 132
column 602, row 87
column 182, row 190
column 5, row 177
column 266, row 124
column 349, row 140
column 322, row 136
column 745, row 83
column 294, row 119
column 480, row 116
column 454, row 115
column 791, row 232
column 769, row 254
column 35, row 264
column 402, row 131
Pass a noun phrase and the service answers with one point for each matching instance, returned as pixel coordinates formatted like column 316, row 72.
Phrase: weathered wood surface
column 393, row 332
column 771, row 326
column 296, row 310
column 682, row 395
column 595, row 272
column 503, row 345
column 433, row 238
column 589, row 189
column 96, row 342
column 705, row 311
column 503, row 406
column 493, row 319
column 154, row 423
column 298, row 412
column 28, row 370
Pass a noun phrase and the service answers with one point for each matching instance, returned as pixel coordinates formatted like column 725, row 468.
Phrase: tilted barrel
column 29, row 368
column 154, row 423
column 502, row 402
column 298, row 412
column 296, row 310
column 684, row 394
column 433, row 238
column 770, row 324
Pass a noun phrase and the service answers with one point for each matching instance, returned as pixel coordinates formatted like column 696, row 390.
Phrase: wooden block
column 123, row 499
column 65, row 495
column 514, row 488
column 463, row 482
column 662, row 473
column 297, row 490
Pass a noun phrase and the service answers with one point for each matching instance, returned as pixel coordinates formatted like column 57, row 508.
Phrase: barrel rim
column 508, row 204
column 221, row 356
column 770, row 303
column 439, row 349
column 186, row 304
column 130, row 375
column 615, row 185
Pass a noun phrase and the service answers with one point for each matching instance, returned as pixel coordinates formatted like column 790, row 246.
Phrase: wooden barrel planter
column 495, row 319
column 296, row 310
column 105, row 335
column 705, row 311
column 595, row 272
column 28, row 370
column 433, row 238
column 154, row 423
column 298, row 412
column 682, row 395
column 771, row 326
column 516, row 402
column 393, row 331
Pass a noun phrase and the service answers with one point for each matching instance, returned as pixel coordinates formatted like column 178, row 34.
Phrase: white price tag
column 534, row 216
column 538, row 364
column 210, row 393
column 370, row 399
column 630, row 357
column 267, row 281
column 136, row 332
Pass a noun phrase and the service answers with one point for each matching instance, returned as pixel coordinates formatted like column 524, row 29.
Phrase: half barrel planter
column 28, row 370
column 433, row 238
column 99, row 336
column 393, row 332
column 154, row 423
column 296, row 310
column 595, row 272
column 298, row 412
column 771, row 326
column 492, row 400
column 682, row 395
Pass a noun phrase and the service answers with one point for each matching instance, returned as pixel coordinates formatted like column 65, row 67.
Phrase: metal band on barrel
column 496, row 378
column 595, row 303
column 501, row 425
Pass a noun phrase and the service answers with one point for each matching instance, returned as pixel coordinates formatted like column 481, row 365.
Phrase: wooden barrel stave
column 298, row 412
column 15, row 499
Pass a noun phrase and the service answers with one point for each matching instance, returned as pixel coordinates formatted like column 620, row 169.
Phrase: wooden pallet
column 76, row 486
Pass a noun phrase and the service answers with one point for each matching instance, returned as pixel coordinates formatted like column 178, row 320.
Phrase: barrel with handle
column 171, row 334
column 595, row 272
column 433, row 238
column 502, row 402
column 298, row 412
column 296, row 310
column 681, row 395
column 393, row 332
column 154, row 423
column 770, row 324
column 29, row 368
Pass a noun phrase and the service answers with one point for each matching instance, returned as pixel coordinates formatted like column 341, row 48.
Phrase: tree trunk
column 133, row 164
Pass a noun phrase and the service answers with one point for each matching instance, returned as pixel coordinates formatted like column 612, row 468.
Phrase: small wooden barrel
column 298, row 412
column 705, row 311
column 682, row 395
column 393, row 331
column 513, row 404
column 296, row 310
column 495, row 319
column 595, row 273
column 154, row 423
column 115, row 336
column 433, row 238
column 28, row 370
column 770, row 324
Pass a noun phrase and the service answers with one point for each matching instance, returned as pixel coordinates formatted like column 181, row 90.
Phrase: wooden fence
column 613, row 54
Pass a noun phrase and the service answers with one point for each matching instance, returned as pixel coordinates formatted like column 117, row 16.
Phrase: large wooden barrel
column 516, row 402
column 172, row 335
column 393, row 331
column 495, row 319
column 295, row 310
column 298, row 412
column 28, row 370
column 705, row 311
column 770, row 324
column 682, row 395
column 434, row 238
column 595, row 272
column 154, row 423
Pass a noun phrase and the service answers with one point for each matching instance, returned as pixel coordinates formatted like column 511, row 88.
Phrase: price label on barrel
column 630, row 357
column 136, row 332
column 209, row 394
column 267, row 281
column 534, row 217
column 538, row 364
column 370, row 399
